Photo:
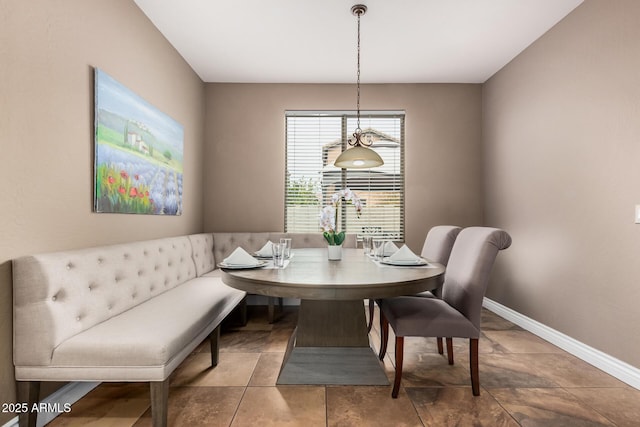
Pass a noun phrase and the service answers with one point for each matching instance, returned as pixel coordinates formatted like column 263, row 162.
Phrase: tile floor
column 524, row 380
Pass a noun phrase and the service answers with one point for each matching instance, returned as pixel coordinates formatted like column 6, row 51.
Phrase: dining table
column 330, row 344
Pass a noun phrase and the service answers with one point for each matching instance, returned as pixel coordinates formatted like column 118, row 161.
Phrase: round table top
column 310, row 275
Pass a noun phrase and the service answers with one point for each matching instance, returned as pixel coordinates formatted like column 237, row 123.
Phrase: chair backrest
column 469, row 267
column 439, row 242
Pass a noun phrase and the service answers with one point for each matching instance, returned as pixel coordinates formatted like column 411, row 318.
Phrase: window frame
column 346, row 117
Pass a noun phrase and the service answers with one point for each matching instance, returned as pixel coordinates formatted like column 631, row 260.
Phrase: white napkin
column 240, row 257
column 390, row 248
column 404, row 254
column 267, row 250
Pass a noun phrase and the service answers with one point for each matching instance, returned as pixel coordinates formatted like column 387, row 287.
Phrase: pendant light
column 359, row 156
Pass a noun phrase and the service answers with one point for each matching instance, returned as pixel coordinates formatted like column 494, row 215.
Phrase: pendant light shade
column 359, row 156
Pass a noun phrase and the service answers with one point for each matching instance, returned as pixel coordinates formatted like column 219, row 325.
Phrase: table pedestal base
column 331, row 346
column 332, row 365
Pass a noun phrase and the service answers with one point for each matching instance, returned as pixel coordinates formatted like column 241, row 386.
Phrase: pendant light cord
column 360, row 155
column 358, row 81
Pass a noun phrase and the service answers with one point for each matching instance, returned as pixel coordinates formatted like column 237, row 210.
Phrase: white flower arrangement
column 329, row 215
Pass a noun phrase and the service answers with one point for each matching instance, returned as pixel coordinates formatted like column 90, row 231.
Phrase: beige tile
column 244, row 341
column 267, row 369
column 432, row 370
column 257, row 319
column 251, row 326
column 288, row 319
column 620, row 405
column 456, row 406
column 569, row 371
column 199, row 406
column 369, row 406
column 513, row 341
column 417, row 345
column 550, row 407
column 541, row 370
column 490, row 321
column 111, row 404
column 282, row 406
column 485, row 345
column 512, row 370
column 234, row 369
column 277, row 340
column 80, row 421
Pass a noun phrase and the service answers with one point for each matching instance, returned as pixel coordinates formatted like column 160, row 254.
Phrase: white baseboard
column 67, row 394
column 609, row 364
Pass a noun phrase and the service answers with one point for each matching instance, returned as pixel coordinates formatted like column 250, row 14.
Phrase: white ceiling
column 304, row 41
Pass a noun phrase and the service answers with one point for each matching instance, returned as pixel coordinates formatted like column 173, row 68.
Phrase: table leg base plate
column 332, row 366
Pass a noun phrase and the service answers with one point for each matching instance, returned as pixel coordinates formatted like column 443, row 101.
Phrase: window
column 313, row 141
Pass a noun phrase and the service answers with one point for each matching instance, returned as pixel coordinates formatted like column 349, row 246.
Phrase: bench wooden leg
column 28, row 392
column 271, row 306
column 214, row 338
column 243, row 311
column 159, row 401
column 271, row 309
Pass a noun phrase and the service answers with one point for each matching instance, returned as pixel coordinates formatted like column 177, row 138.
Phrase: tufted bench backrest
column 311, row 240
column 59, row 295
column 202, row 246
column 225, row 243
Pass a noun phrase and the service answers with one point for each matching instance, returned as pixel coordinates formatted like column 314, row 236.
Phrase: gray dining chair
column 457, row 314
column 437, row 248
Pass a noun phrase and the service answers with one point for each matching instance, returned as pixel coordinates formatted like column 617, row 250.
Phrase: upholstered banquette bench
column 124, row 313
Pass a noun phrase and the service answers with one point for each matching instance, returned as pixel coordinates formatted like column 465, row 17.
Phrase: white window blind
column 313, row 141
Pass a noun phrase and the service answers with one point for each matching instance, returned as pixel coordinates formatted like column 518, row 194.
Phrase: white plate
column 404, row 263
column 241, row 267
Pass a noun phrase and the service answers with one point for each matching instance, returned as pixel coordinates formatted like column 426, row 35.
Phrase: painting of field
column 138, row 153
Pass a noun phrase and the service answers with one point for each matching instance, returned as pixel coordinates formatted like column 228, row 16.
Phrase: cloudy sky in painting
column 116, row 98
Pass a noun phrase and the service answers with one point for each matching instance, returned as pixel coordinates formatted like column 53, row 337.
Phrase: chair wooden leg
column 371, row 309
column 473, row 366
column 384, row 335
column 440, row 347
column 28, row 392
column 450, row 350
column 398, row 378
column 159, row 400
column 214, row 338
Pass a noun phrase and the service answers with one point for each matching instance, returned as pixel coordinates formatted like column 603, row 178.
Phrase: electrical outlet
column 637, row 214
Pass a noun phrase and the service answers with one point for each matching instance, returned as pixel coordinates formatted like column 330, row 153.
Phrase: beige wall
column 562, row 175
column 47, row 51
column 245, row 150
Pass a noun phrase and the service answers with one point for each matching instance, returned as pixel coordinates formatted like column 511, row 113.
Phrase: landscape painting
column 138, row 153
